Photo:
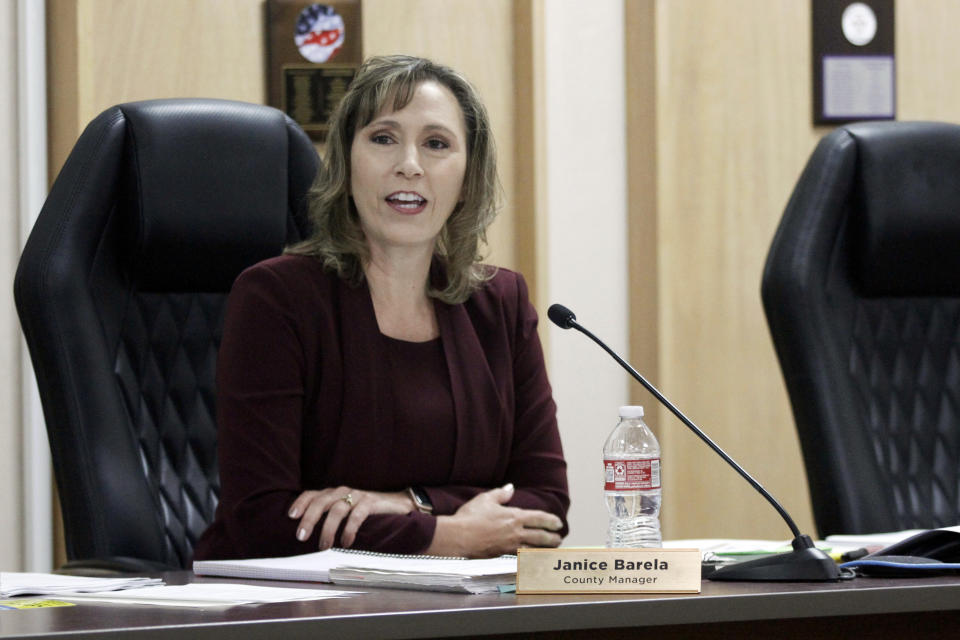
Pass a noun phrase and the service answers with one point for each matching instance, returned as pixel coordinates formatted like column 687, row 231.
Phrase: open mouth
column 407, row 201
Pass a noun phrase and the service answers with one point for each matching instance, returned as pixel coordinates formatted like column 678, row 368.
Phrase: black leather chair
column 120, row 291
column 862, row 295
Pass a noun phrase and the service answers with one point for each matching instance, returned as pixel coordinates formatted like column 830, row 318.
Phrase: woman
column 378, row 387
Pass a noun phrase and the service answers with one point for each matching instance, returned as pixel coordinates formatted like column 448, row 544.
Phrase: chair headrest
column 907, row 190
column 205, row 190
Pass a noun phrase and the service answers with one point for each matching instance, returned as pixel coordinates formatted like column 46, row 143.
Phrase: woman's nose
column 408, row 164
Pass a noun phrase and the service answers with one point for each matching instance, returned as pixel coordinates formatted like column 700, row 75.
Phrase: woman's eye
column 437, row 144
column 380, row 138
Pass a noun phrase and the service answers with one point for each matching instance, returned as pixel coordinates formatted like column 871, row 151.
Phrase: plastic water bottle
column 631, row 465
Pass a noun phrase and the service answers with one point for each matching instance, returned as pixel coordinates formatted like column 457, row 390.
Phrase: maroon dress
column 311, row 395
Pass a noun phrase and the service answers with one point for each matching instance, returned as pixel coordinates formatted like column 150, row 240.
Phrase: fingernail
column 301, row 534
column 508, row 487
column 293, row 513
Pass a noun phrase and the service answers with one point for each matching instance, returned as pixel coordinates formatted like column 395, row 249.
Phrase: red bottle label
column 631, row 475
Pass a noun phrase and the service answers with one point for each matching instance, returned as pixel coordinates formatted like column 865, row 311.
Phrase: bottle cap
column 631, row 411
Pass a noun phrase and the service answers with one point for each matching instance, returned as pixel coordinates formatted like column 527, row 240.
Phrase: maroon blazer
column 304, row 402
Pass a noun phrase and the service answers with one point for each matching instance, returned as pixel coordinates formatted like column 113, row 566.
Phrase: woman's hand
column 341, row 503
column 484, row 527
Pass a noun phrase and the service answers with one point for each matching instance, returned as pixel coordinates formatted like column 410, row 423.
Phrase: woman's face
column 407, row 169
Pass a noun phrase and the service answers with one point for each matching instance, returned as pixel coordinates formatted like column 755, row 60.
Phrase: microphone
column 804, row 563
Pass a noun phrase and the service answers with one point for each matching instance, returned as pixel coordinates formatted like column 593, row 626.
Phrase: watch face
column 421, row 499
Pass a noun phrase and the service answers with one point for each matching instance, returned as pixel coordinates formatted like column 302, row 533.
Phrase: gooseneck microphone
column 804, row 563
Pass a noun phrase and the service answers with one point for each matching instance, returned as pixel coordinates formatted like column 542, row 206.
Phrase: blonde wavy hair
column 337, row 238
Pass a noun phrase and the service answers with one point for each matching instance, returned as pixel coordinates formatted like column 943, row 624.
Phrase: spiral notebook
column 367, row 568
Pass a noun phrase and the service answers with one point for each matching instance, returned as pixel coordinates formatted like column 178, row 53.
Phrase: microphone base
column 802, row 565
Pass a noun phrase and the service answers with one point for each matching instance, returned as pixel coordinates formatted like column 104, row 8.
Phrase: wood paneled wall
column 733, row 131
column 104, row 52
column 928, row 64
column 730, row 112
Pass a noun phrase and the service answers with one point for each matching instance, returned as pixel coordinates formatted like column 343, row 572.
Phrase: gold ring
column 348, row 499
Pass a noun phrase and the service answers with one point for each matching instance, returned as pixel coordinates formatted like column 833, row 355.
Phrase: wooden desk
column 866, row 608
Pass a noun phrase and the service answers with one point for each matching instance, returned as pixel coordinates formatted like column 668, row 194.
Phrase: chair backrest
column 121, row 290
column 862, row 295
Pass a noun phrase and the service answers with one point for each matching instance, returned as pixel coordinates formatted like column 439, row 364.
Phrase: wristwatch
column 420, row 499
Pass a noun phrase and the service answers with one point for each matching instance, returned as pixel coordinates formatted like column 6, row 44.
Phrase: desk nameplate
column 591, row 570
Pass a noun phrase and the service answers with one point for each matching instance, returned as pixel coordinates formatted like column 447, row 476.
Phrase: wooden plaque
column 313, row 51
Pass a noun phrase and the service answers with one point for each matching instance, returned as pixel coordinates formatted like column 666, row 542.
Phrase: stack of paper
column 734, row 549
column 151, row 591
column 457, row 575
column 19, row 584
column 731, row 546
column 342, row 566
column 206, row 595
column 876, row 539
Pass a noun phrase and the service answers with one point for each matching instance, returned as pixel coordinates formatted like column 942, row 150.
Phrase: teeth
column 406, row 197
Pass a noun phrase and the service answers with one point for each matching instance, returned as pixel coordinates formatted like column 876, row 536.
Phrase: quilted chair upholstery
column 121, row 290
column 862, row 295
